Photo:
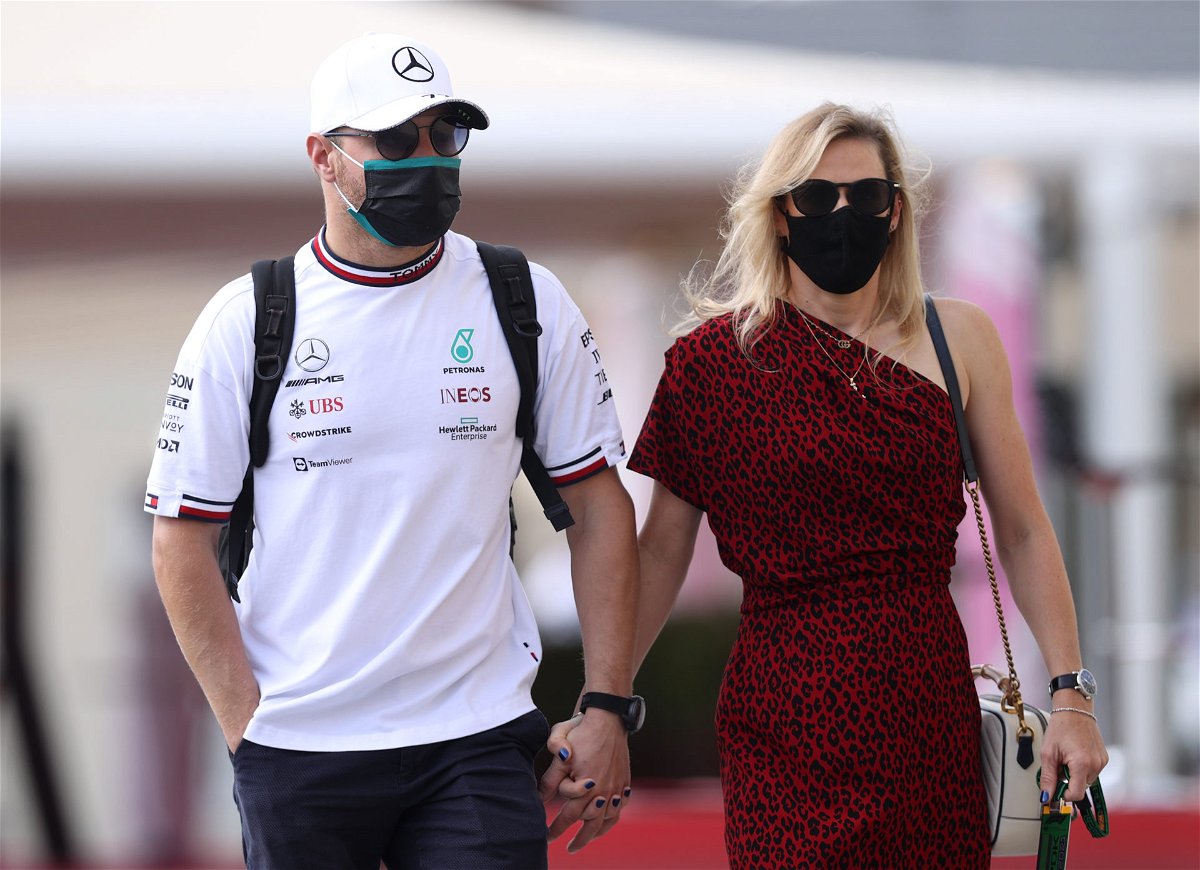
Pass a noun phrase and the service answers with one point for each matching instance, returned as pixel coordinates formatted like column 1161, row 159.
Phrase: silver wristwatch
column 1081, row 681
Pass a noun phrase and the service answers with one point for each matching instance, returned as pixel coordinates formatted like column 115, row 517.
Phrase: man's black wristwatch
column 1081, row 681
column 631, row 710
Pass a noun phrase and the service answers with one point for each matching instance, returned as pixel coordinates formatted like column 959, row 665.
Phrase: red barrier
column 681, row 829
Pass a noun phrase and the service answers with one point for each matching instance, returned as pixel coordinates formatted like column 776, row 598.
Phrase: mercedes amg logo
column 411, row 65
column 312, row 355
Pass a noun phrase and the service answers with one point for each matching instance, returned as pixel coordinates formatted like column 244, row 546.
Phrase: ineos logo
column 411, row 65
column 312, row 355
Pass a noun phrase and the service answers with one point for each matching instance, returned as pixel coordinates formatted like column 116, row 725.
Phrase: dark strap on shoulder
column 274, row 327
column 947, row 363
column 516, row 307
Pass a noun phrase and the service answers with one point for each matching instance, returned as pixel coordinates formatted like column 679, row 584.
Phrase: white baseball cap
column 381, row 80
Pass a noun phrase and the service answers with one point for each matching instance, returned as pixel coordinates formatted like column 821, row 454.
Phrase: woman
column 804, row 411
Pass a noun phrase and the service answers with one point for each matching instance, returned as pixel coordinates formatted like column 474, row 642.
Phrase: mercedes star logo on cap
column 312, row 355
column 412, row 65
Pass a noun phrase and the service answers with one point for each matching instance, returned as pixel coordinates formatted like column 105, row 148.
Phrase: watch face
column 1087, row 684
column 637, row 710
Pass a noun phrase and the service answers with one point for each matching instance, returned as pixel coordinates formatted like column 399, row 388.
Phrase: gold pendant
column 843, row 344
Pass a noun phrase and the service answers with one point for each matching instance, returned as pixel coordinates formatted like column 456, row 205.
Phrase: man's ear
column 320, row 154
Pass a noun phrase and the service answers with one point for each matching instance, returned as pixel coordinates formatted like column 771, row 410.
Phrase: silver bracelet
column 1091, row 716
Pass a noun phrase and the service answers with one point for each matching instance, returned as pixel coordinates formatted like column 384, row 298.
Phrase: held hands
column 590, row 773
column 1072, row 740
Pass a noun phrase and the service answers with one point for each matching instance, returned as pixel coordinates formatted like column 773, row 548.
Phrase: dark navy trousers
column 465, row 803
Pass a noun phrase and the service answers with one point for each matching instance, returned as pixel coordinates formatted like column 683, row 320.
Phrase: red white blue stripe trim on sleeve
column 592, row 462
column 202, row 509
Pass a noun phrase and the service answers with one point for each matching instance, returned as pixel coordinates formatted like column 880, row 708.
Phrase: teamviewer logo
column 301, row 464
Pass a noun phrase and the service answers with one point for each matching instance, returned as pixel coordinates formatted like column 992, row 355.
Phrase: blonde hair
column 751, row 275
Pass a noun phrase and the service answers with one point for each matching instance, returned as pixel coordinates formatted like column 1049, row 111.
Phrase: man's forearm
column 604, row 573
column 204, row 622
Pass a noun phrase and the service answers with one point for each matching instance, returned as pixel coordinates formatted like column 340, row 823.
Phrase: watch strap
column 618, row 704
column 1064, row 681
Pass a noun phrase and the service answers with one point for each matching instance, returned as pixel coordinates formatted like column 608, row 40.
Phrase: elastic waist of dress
column 803, row 591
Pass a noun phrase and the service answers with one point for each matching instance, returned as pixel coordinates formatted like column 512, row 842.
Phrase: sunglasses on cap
column 867, row 196
column 447, row 135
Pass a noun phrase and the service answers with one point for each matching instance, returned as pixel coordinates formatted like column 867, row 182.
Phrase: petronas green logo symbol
column 461, row 350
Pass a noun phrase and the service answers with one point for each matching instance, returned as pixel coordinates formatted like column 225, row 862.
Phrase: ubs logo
column 312, row 355
column 323, row 405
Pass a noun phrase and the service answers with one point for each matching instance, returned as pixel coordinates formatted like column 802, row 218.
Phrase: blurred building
column 151, row 151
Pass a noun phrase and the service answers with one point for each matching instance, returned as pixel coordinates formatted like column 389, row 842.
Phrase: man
column 373, row 683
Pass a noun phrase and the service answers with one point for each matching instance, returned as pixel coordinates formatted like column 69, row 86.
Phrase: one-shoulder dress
column 847, row 721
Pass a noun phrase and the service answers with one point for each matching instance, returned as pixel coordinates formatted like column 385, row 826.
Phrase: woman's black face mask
column 840, row 250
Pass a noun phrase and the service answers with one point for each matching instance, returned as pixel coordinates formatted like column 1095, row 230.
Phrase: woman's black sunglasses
column 867, row 196
column 447, row 135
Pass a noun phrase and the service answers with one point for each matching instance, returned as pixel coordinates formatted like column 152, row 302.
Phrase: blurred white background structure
column 150, row 151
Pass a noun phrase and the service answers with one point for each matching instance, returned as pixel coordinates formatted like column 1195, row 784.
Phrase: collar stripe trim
column 394, row 278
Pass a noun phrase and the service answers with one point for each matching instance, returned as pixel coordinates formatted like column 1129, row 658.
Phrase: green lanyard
column 1056, row 822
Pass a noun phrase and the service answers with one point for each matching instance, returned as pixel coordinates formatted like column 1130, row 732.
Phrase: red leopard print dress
column 847, row 722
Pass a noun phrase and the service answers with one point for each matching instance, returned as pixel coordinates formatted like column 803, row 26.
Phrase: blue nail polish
column 616, row 802
column 564, row 754
column 591, row 783
column 628, row 792
column 599, row 802
column 1045, row 795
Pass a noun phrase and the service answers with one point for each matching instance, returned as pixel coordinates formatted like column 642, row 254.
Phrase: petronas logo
column 461, row 350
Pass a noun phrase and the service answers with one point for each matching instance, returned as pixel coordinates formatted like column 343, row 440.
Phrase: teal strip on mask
column 362, row 222
column 413, row 163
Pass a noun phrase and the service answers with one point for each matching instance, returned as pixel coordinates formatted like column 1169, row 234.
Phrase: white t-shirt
column 380, row 607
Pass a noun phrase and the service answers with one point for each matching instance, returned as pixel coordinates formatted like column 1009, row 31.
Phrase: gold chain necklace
column 817, row 342
column 843, row 343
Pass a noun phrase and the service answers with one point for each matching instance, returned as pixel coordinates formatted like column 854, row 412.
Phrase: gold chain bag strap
column 1011, row 732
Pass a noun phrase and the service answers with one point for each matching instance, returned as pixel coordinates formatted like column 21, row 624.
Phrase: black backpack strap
column 516, row 306
column 951, row 377
column 274, row 327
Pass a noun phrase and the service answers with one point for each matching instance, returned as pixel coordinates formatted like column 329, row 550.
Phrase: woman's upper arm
column 997, row 440
column 671, row 525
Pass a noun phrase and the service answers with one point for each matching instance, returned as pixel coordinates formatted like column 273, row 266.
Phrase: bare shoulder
column 964, row 318
column 978, row 352
column 969, row 330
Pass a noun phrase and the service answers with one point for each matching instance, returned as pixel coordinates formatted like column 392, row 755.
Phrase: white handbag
column 1014, row 802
